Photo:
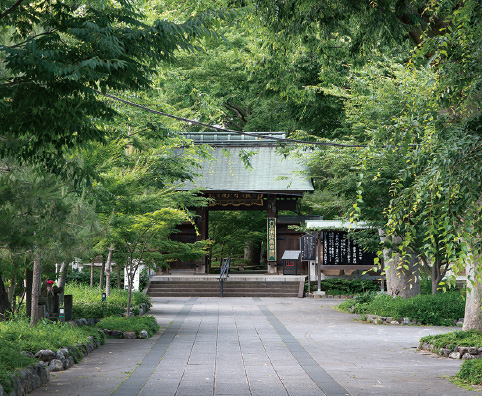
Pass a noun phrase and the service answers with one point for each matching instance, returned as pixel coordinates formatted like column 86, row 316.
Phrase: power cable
column 220, row 129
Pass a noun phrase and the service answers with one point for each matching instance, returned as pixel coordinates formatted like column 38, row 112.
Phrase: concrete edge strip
column 326, row 382
column 134, row 383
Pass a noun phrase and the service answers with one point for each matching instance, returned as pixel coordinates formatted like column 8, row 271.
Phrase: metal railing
column 224, row 274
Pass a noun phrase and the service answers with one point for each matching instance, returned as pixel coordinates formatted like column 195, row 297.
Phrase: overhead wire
column 221, row 129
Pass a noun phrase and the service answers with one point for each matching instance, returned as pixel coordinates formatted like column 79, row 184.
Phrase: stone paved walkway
column 260, row 346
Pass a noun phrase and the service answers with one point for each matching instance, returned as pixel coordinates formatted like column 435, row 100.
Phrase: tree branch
column 31, row 38
column 11, row 9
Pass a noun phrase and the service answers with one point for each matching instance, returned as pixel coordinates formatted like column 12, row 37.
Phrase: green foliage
column 11, row 359
column 61, row 54
column 232, row 231
column 471, row 371
column 436, row 310
column 137, row 324
column 18, row 335
column 470, row 338
column 79, row 277
column 87, row 302
column 346, row 286
column 45, row 334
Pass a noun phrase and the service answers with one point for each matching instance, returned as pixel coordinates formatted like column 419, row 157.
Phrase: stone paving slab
column 260, row 347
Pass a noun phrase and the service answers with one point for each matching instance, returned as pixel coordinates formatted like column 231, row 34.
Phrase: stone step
column 173, row 285
column 218, row 293
column 231, row 289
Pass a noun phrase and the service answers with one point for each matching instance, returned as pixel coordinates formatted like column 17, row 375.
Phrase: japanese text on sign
column 271, row 239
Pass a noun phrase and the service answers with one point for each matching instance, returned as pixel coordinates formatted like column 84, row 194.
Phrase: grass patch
column 435, row 310
column 11, row 360
column 135, row 323
column 469, row 338
column 16, row 335
column 87, row 301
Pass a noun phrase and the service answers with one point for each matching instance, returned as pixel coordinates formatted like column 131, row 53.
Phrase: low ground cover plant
column 17, row 335
column 135, row 323
column 470, row 370
column 440, row 309
column 469, row 338
column 337, row 287
column 87, row 301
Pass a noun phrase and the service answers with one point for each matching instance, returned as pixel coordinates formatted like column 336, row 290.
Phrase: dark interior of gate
column 270, row 183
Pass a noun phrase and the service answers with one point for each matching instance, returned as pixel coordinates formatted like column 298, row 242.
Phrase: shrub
column 45, row 335
column 471, row 371
column 83, row 277
column 437, row 310
column 11, row 359
column 337, row 286
column 17, row 335
column 87, row 301
column 454, row 338
column 136, row 324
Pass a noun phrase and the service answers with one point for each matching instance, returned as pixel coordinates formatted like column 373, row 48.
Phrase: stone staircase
column 235, row 286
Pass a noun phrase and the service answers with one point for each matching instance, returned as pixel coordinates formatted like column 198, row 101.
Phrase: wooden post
column 102, row 271
column 68, row 307
column 92, row 271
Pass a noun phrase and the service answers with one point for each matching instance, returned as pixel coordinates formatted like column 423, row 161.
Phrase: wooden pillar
column 272, row 213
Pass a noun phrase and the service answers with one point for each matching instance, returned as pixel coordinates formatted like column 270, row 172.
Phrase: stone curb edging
column 375, row 319
column 129, row 335
column 330, row 296
column 27, row 379
column 388, row 320
column 458, row 352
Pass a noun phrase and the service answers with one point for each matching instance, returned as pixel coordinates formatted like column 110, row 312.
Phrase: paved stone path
column 260, row 346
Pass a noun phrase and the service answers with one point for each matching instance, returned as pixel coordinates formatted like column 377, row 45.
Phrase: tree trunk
column 108, row 272
column 28, row 292
column 102, row 271
column 130, row 279
column 118, row 277
column 437, row 276
column 11, row 292
column 92, row 271
column 4, row 302
column 63, row 275
column 62, row 279
column 473, row 301
column 401, row 282
column 35, row 289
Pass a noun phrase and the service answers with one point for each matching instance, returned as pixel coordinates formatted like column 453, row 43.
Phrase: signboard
column 308, row 247
column 340, row 250
column 271, row 238
column 236, row 199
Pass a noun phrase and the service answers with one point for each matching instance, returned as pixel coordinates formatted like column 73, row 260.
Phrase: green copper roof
column 270, row 172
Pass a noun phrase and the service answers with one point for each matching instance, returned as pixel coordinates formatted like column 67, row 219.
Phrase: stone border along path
column 261, row 347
